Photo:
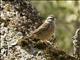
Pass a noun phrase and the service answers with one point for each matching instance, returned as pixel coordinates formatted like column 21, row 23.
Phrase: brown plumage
column 46, row 30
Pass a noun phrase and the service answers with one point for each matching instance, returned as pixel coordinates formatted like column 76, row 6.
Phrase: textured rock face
column 17, row 19
column 21, row 15
column 76, row 42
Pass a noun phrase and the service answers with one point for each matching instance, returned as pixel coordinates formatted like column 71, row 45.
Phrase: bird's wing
column 43, row 27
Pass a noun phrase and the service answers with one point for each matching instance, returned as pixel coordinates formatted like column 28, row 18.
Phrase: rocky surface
column 17, row 20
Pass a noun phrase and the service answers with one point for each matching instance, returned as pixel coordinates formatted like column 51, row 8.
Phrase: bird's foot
column 42, row 44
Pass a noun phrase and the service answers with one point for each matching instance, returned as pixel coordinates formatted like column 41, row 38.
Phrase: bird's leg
column 43, row 44
column 40, row 44
column 47, row 43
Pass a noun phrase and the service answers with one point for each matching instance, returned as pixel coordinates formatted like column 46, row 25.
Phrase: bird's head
column 50, row 18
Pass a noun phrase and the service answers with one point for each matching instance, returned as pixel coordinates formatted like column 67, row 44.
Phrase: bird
column 45, row 31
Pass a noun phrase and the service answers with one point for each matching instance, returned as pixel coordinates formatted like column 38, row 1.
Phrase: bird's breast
column 46, row 34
